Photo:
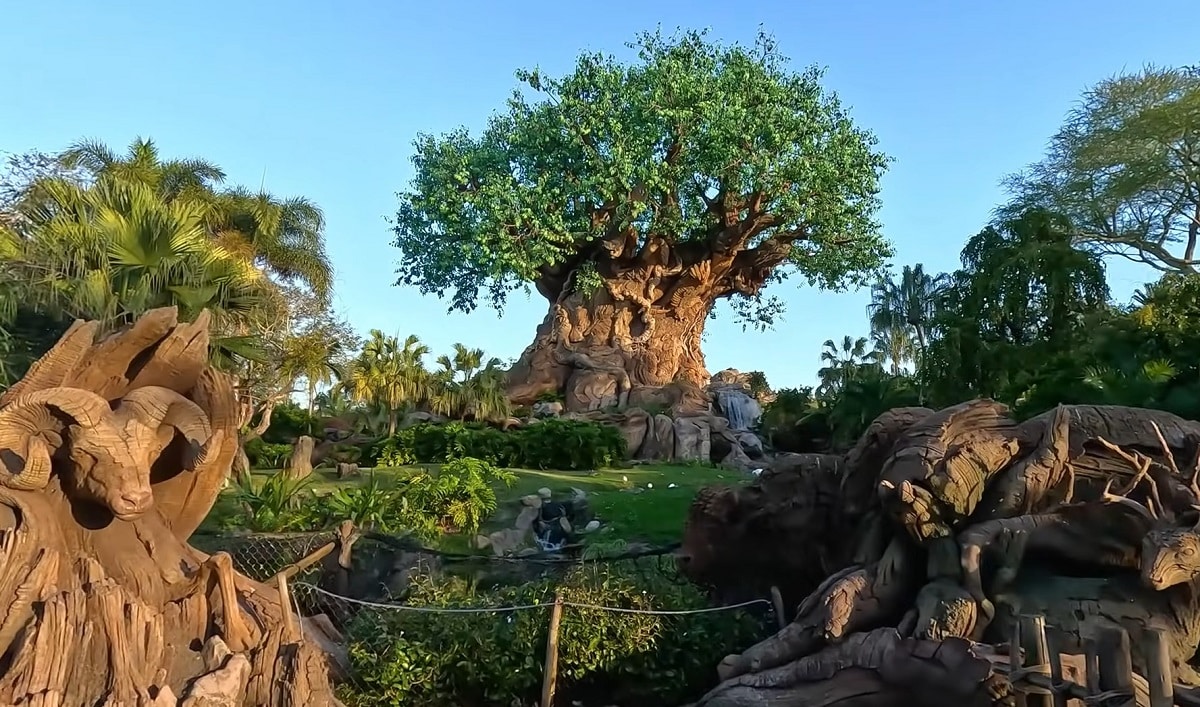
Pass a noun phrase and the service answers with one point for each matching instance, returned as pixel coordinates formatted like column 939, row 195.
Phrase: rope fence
column 404, row 619
column 327, row 609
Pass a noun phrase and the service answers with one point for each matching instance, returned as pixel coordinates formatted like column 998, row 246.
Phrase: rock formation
column 113, row 452
column 946, row 525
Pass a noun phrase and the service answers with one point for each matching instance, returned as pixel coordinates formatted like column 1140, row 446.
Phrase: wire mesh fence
column 415, row 625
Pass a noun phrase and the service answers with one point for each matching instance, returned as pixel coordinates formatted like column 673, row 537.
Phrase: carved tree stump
column 111, row 454
column 951, row 524
column 300, row 465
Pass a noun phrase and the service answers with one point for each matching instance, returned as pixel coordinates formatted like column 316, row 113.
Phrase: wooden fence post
column 1091, row 665
column 550, row 669
column 290, row 627
column 1032, row 640
column 1113, row 659
column 1159, row 676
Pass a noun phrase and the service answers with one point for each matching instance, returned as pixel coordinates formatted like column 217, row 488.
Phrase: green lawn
column 637, row 504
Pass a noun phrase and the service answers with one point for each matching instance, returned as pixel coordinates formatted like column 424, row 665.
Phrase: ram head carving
column 108, row 452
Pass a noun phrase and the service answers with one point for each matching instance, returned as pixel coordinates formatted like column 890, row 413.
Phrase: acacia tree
column 633, row 197
column 1125, row 169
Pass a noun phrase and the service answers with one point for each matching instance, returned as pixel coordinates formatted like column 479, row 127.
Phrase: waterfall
column 740, row 409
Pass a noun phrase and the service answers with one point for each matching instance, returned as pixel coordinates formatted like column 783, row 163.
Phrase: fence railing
column 1102, row 676
column 1040, row 674
column 317, row 572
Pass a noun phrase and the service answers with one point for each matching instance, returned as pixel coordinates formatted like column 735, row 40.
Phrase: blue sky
column 324, row 99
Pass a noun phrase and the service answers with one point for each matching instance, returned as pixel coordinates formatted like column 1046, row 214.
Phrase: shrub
column 264, row 455
column 551, row 444
column 460, row 497
column 373, row 506
column 271, row 506
column 438, row 660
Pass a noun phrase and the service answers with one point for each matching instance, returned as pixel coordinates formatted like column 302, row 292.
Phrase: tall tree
column 389, row 375
column 634, row 196
column 906, row 303
column 843, row 362
column 1022, row 296
column 894, row 345
column 1125, row 169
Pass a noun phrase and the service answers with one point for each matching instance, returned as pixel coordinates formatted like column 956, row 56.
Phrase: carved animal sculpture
column 966, row 494
column 111, row 451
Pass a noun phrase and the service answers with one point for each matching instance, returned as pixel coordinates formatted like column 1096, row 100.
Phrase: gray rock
column 592, row 526
column 751, row 444
column 692, row 439
column 532, row 501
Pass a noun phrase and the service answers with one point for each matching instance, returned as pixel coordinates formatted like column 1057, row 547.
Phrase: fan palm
column 906, row 302
column 112, row 250
column 283, row 237
column 894, row 345
column 842, row 362
column 388, row 374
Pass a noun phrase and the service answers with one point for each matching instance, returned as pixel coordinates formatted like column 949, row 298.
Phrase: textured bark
column 102, row 601
column 596, row 350
column 946, row 525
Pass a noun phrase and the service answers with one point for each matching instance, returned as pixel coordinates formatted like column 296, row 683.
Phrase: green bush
column 272, row 506
column 551, row 444
column 264, row 455
column 460, row 497
column 473, row 660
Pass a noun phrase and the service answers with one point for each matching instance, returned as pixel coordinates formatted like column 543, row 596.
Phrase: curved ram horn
column 25, row 421
column 157, row 407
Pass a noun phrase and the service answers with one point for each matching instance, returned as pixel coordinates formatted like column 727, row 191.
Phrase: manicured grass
column 645, row 503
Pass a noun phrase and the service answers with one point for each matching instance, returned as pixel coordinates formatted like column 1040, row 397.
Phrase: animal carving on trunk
column 1081, row 514
column 112, row 452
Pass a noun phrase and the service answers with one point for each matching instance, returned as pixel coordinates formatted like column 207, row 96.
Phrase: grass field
column 646, row 503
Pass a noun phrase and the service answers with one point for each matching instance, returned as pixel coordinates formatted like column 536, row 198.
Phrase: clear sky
column 324, row 99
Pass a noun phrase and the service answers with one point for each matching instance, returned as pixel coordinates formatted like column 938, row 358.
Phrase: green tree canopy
column 711, row 153
column 1125, row 169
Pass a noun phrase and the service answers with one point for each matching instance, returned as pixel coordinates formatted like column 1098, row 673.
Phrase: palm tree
column 389, row 375
column 907, row 302
column 465, row 386
column 284, row 238
column 313, row 357
column 895, row 346
column 114, row 249
column 843, row 362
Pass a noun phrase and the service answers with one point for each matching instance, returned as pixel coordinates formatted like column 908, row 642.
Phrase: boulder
column 506, row 542
column 751, row 445
column 634, row 427
column 660, row 439
column 533, row 500
column 300, row 464
column 692, row 439
column 526, row 517
column 737, row 460
column 419, row 417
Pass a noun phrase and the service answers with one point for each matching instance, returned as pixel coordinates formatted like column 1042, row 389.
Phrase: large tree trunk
column 103, row 599
column 594, row 349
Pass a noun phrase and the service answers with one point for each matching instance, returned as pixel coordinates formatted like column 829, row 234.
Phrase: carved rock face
column 1170, row 556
